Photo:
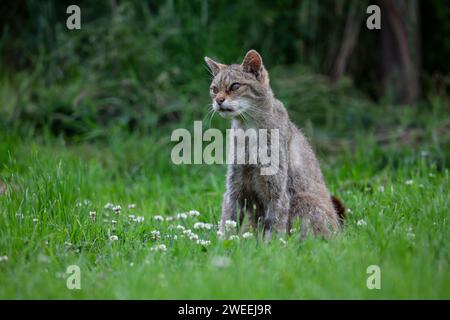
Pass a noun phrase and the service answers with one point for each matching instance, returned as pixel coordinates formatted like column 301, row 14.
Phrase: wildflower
column 203, row 242
column 159, row 247
column 182, row 216
column 409, row 182
column 180, row 227
column 233, row 237
column 19, row 215
column 220, row 234
column 131, row 206
column 283, row 241
column 109, row 206
column 117, row 209
column 202, row 225
column 410, row 234
column 361, row 223
column 193, row 237
column 168, row 219
column 113, row 238
column 3, row 258
column 230, row 225
column 35, row 220
column 156, row 235
column 131, row 216
column 139, row 219
column 92, row 215
column 247, row 235
column 193, row 213
column 158, row 218
column 381, row 189
column 221, row 261
column 113, row 222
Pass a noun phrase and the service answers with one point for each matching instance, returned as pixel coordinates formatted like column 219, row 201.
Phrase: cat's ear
column 253, row 63
column 214, row 66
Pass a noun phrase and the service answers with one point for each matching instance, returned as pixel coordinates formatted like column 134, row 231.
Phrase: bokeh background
column 138, row 65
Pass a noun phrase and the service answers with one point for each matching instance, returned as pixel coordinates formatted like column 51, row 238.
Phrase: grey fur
column 298, row 188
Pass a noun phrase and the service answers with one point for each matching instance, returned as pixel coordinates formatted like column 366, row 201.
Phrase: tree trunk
column 400, row 53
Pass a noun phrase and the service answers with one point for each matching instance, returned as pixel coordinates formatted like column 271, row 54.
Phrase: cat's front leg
column 276, row 217
column 277, row 208
column 231, row 197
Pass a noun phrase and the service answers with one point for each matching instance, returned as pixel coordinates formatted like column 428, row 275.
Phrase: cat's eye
column 214, row 90
column 235, row 86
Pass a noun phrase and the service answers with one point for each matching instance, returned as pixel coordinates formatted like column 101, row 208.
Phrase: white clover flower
column 409, row 182
column 193, row 237
column 247, row 235
column 204, row 243
column 361, row 223
column 230, row 225
column 92, row 215
column 131, row 216
column 202, row 225
column 113, row 222
column 35, row 220
column 3, row 258
column 109, row 206
column 168, row 219
column 221, row 261
column 193, row 213
column 158, row 218
column 187, row 232
column 220, row 234
column 159, row 247
column 182, row 216
column 233, row 237
column 113, row 238
column 139, row 219
column 156, row 235
column 410, row 234
column 198, row 225
column 175, row 237
column 117, row 209
column 131, row 206
column 180, row 227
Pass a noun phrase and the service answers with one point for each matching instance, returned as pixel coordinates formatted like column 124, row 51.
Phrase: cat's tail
column 339, row 207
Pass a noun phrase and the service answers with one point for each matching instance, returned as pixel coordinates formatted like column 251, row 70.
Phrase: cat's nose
column 220, row 100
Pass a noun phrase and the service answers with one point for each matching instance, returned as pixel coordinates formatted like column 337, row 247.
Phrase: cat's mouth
column 227, row 112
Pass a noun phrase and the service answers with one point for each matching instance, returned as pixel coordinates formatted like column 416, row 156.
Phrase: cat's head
column 239, row 89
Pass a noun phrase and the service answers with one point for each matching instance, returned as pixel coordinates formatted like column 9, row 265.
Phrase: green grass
column 401, row 193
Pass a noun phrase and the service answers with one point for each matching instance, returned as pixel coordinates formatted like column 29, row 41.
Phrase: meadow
column 397, row 198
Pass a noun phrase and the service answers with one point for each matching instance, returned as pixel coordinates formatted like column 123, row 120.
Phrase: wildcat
column 242, row 93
